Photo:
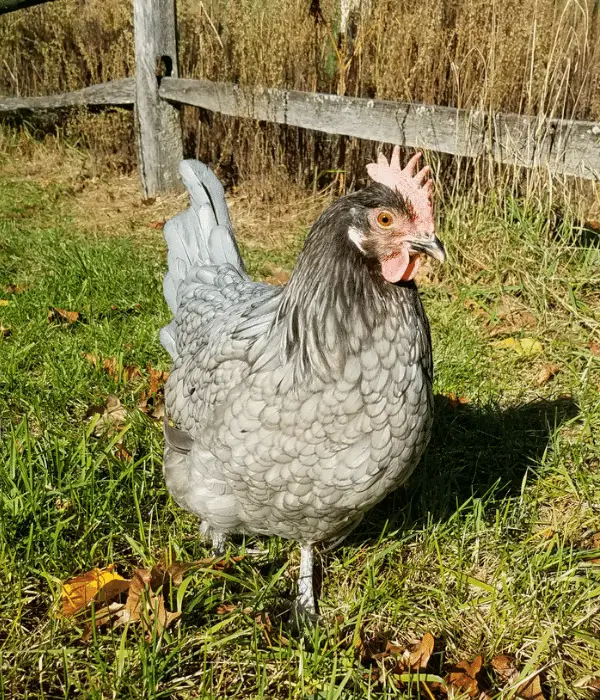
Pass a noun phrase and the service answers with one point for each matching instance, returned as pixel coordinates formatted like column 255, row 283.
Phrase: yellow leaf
column 3, row 302
column 78, row 592
column 522, row 346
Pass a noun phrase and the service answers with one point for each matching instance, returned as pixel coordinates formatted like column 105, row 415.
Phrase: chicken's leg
column 218, row 539
column 305, row 602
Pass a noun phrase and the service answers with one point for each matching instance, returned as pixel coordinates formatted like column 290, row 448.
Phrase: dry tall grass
column 529, row 56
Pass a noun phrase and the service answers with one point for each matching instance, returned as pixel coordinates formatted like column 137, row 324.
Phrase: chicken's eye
column 385, row 219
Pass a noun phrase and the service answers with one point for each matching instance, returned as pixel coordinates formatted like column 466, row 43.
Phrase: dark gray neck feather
column 336, row 297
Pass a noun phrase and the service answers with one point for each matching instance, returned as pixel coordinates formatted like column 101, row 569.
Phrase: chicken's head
column 395, row 224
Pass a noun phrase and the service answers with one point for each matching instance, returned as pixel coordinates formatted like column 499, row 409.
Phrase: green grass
column 488, row 547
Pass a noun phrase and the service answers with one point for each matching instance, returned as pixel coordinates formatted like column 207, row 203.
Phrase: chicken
column 291, row 411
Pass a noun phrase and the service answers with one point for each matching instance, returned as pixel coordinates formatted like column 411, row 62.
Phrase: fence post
column 158, row 123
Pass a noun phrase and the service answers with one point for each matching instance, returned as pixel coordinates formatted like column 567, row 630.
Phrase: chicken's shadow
column 474, row 452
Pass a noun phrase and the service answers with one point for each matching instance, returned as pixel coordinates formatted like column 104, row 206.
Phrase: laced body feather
column 304, row 405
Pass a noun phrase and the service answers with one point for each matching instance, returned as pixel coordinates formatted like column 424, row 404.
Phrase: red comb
column 413, row 185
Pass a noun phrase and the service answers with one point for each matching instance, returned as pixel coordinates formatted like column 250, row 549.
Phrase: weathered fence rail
column 561, row 146
column 115, row 92
column 12, row 5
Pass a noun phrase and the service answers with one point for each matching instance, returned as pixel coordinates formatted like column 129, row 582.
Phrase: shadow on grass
column 473, row 450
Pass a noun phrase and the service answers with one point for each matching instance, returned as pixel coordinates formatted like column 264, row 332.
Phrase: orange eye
column 385, row 219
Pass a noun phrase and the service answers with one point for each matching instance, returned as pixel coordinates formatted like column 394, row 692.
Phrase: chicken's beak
column 433, row 247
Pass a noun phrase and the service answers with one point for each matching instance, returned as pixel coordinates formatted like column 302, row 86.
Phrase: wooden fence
column 562, row 146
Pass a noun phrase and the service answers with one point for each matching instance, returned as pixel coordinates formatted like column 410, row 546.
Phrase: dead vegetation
column 534, row 57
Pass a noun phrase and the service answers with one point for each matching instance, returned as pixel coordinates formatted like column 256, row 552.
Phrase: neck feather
column 334, row 299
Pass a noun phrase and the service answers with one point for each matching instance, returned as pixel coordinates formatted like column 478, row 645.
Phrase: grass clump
column 491, row 547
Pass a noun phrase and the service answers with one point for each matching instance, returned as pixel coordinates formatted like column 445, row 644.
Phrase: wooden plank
column 158, row 123
column 563, row 146
column 115, row 92
column 12, row 5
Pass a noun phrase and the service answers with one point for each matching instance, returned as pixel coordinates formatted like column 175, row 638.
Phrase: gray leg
column 305, row 602
column 219, row 539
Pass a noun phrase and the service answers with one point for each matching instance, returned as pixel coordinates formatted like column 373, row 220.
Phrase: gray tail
column 201, row 235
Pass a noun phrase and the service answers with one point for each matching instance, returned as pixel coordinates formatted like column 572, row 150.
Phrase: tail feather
column 201, row 235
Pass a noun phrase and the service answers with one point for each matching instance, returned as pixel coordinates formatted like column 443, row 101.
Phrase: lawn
column 493, row 547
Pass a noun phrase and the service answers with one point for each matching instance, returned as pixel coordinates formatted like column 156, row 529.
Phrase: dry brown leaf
column 157, row 380
column 158, row 225
column 121, row 453
column 225, row 608
column 158, row 411
column 15, row 288
column 91, row 358
column 463, row 676
column 456, row 401
column 111, row 366
column 112, row 415
column 546, row 374
column 279, row 275
column 531, row 690
column 62, row 315
column 505, row 667
column 595, row 349
column 419, row 657
column 78, row 592
column 128, row 372
column 596, row 540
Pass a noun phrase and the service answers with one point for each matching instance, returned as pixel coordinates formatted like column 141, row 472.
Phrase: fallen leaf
column 157, row 379
column 595, row 349
column 15, row 288
column 158, row 412
column 111, row 366
column 278, row 276
column 112, row 415
column 121, row 453
column 63, row 504
column 419, row 657
column 90, row 357
column 522, row 346
column 456, row 401
column 158, row 225
column 78, row 592
column 463, row 676
column 546, row 374
column 596, row 540
column 371, row 647
column 225, row 608
column 4, row 302
column 505, row 667
column 531, row 689
column 62, row 315
column 5, row 332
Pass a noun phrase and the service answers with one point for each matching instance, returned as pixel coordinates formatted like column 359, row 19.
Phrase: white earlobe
column 356, row 237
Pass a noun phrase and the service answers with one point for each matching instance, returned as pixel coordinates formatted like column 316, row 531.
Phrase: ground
column 492, row 547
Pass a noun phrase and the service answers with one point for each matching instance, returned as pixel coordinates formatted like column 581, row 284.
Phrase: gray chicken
column 292, row 410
